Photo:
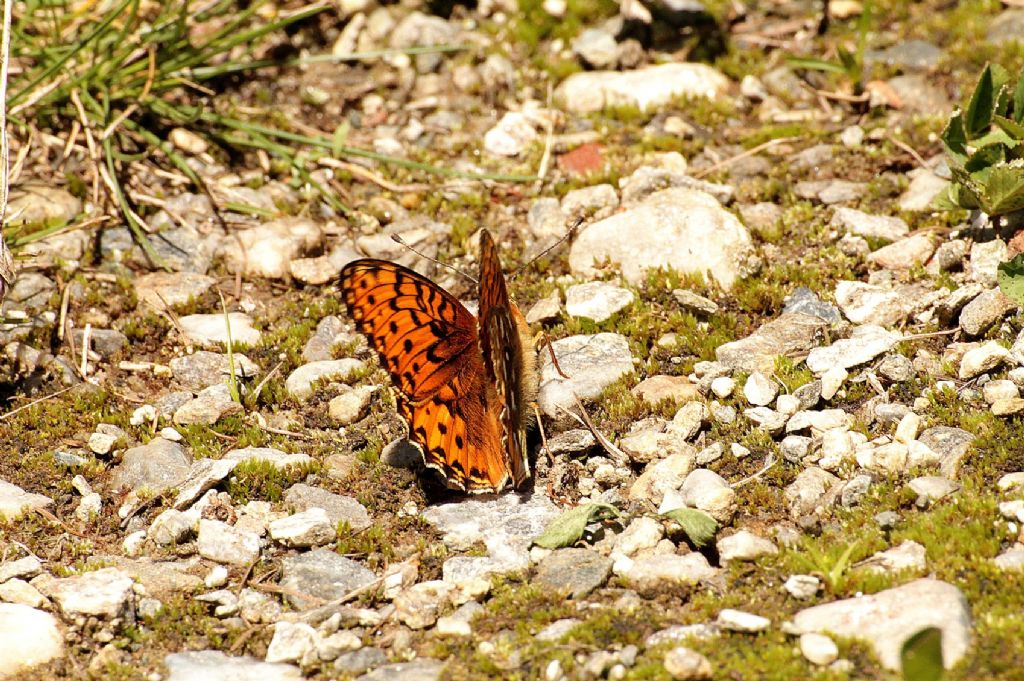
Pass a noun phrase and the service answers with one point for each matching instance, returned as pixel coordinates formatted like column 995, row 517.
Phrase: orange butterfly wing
column 427, row 340
column 503, row 356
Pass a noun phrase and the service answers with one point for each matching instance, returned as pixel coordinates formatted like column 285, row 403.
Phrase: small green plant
column 566, row 529
column 832, row 570
column 849, row 64
column 984, row 146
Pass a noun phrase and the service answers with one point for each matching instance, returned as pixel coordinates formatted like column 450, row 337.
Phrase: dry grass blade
column 6, row 259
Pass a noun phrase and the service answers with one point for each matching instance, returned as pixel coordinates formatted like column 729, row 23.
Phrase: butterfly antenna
column 454, row 269
column 569, row 233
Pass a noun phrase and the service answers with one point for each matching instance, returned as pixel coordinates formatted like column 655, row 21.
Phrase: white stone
column 641, row 534
column 907, row 556
column 984, row 358
column 212, row 329
column 292, row 642
column 510, row 136
column 864, row 344
column 1003, row 389
column 311, row 527
column 299, row 383
column 102, row 593
column 596, row 300
column 737, row 620
column 647, row 88
column 213, row 665
column 831, row 381
column 787, row 405
column 745, row 546
column 759, row 389
column 223, row 543
column 684, row 664
column 802, row 587
column 723, row 387
column 28, row 638
column 707, row 491
column 908, row 428
column 592, row 364
column 818, row 649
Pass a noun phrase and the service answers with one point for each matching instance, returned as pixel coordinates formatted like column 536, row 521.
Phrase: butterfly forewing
column 427, row 340
column 503, row 356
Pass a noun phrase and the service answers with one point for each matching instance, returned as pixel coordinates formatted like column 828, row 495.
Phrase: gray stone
column 204, row 474
column 321, row 575
column 359, row 661
column 745, row 546
column 803, row 300
column 909, row 54
column 707, row 491
column 791, row 335
column 421, row 29
column 918, row 95
column 37, row 202
column 864, row 303
column 951, row 444
column 696, row 304
column 160, row 578
column 203, row 368
column 860, row 223
column 647, row 88
column 208, row 407
column 28, row 638
column 299, row 383
column 596, row 300
column 888, row 618
column 351, row 405
column 806, row 492
column 596, row 47
column 223, row 543
column 686, row 664
column 31, row 290
column 1011, row 559
column 664, row 571
column 985, row 259
column 418, row 606
column 830, row 192
column 904, row 254
column 339, row 508
column 106, row 342
column 213, row 665
column 422, row 669
column 984, row 311
column 213, row 329
column 592, row 364
column 157, row 465
column 761, row 218
column 573, row 571
column 909, row 555
column 587, row 200
column 330, row 332
column 1007, row 27
column 664, row 476
column 738, row 620
column 924, row 186
column 685, row 229
column 307, row 528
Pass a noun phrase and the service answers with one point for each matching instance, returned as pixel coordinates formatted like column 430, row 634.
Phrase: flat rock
column 321, row 575
column 28, row 638
column 276, row 457
column 679, row 228
column 664, row 571
column 904, row 254
column 223, row 543
column 853, row 221
column 745, row 546
column 161, row 578
column 864, row 303
column 212, row 329
column 987, row 308
column 156, row 465
column 14, row 501
column 596, row 300
column 339, row 508
column 647, row 88
column 888, row 618
column 299, row 383
column 1007, row 27
column 951, row 444
column 203, row 368
column 664, row 475
column 864, row 344
column 573, row 571
column 208, row 407
column 920, row 194
column 204, row 474
column 213, row 665
column 655, row 389
column 592, row 364
column 422, row 669
column 707, row 491
column 159, row 290
column 806, row 492
column 102, row 593
column 791, row 335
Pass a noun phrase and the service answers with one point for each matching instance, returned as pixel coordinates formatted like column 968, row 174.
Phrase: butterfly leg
column 543, row 435
column 544, row 338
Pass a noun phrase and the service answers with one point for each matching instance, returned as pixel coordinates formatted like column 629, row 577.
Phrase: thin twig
column 910, row 150
column 769, row 461
column 35, row 402
column 739, row 157
column 6, row 259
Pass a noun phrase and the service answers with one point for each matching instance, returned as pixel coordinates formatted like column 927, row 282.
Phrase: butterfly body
column 463, row 384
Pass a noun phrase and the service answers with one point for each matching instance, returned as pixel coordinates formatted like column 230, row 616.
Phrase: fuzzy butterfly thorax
column 464, row 385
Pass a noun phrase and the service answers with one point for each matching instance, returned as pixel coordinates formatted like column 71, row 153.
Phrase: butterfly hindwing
column 428, row 342
column 503, row 356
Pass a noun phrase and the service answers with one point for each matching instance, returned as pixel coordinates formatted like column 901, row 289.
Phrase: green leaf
column 954, row 137
column 566, row 529
column 1014, row 129
column 847, row 59
column 983, row 102
column 698, row 525
column 1011, row 278
column 955, row 197
column 1004, row 189
column 921, row 656
column 815, row 64
column 339, row 139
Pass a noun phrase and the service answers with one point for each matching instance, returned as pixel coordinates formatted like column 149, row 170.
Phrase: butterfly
column 463, row 384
